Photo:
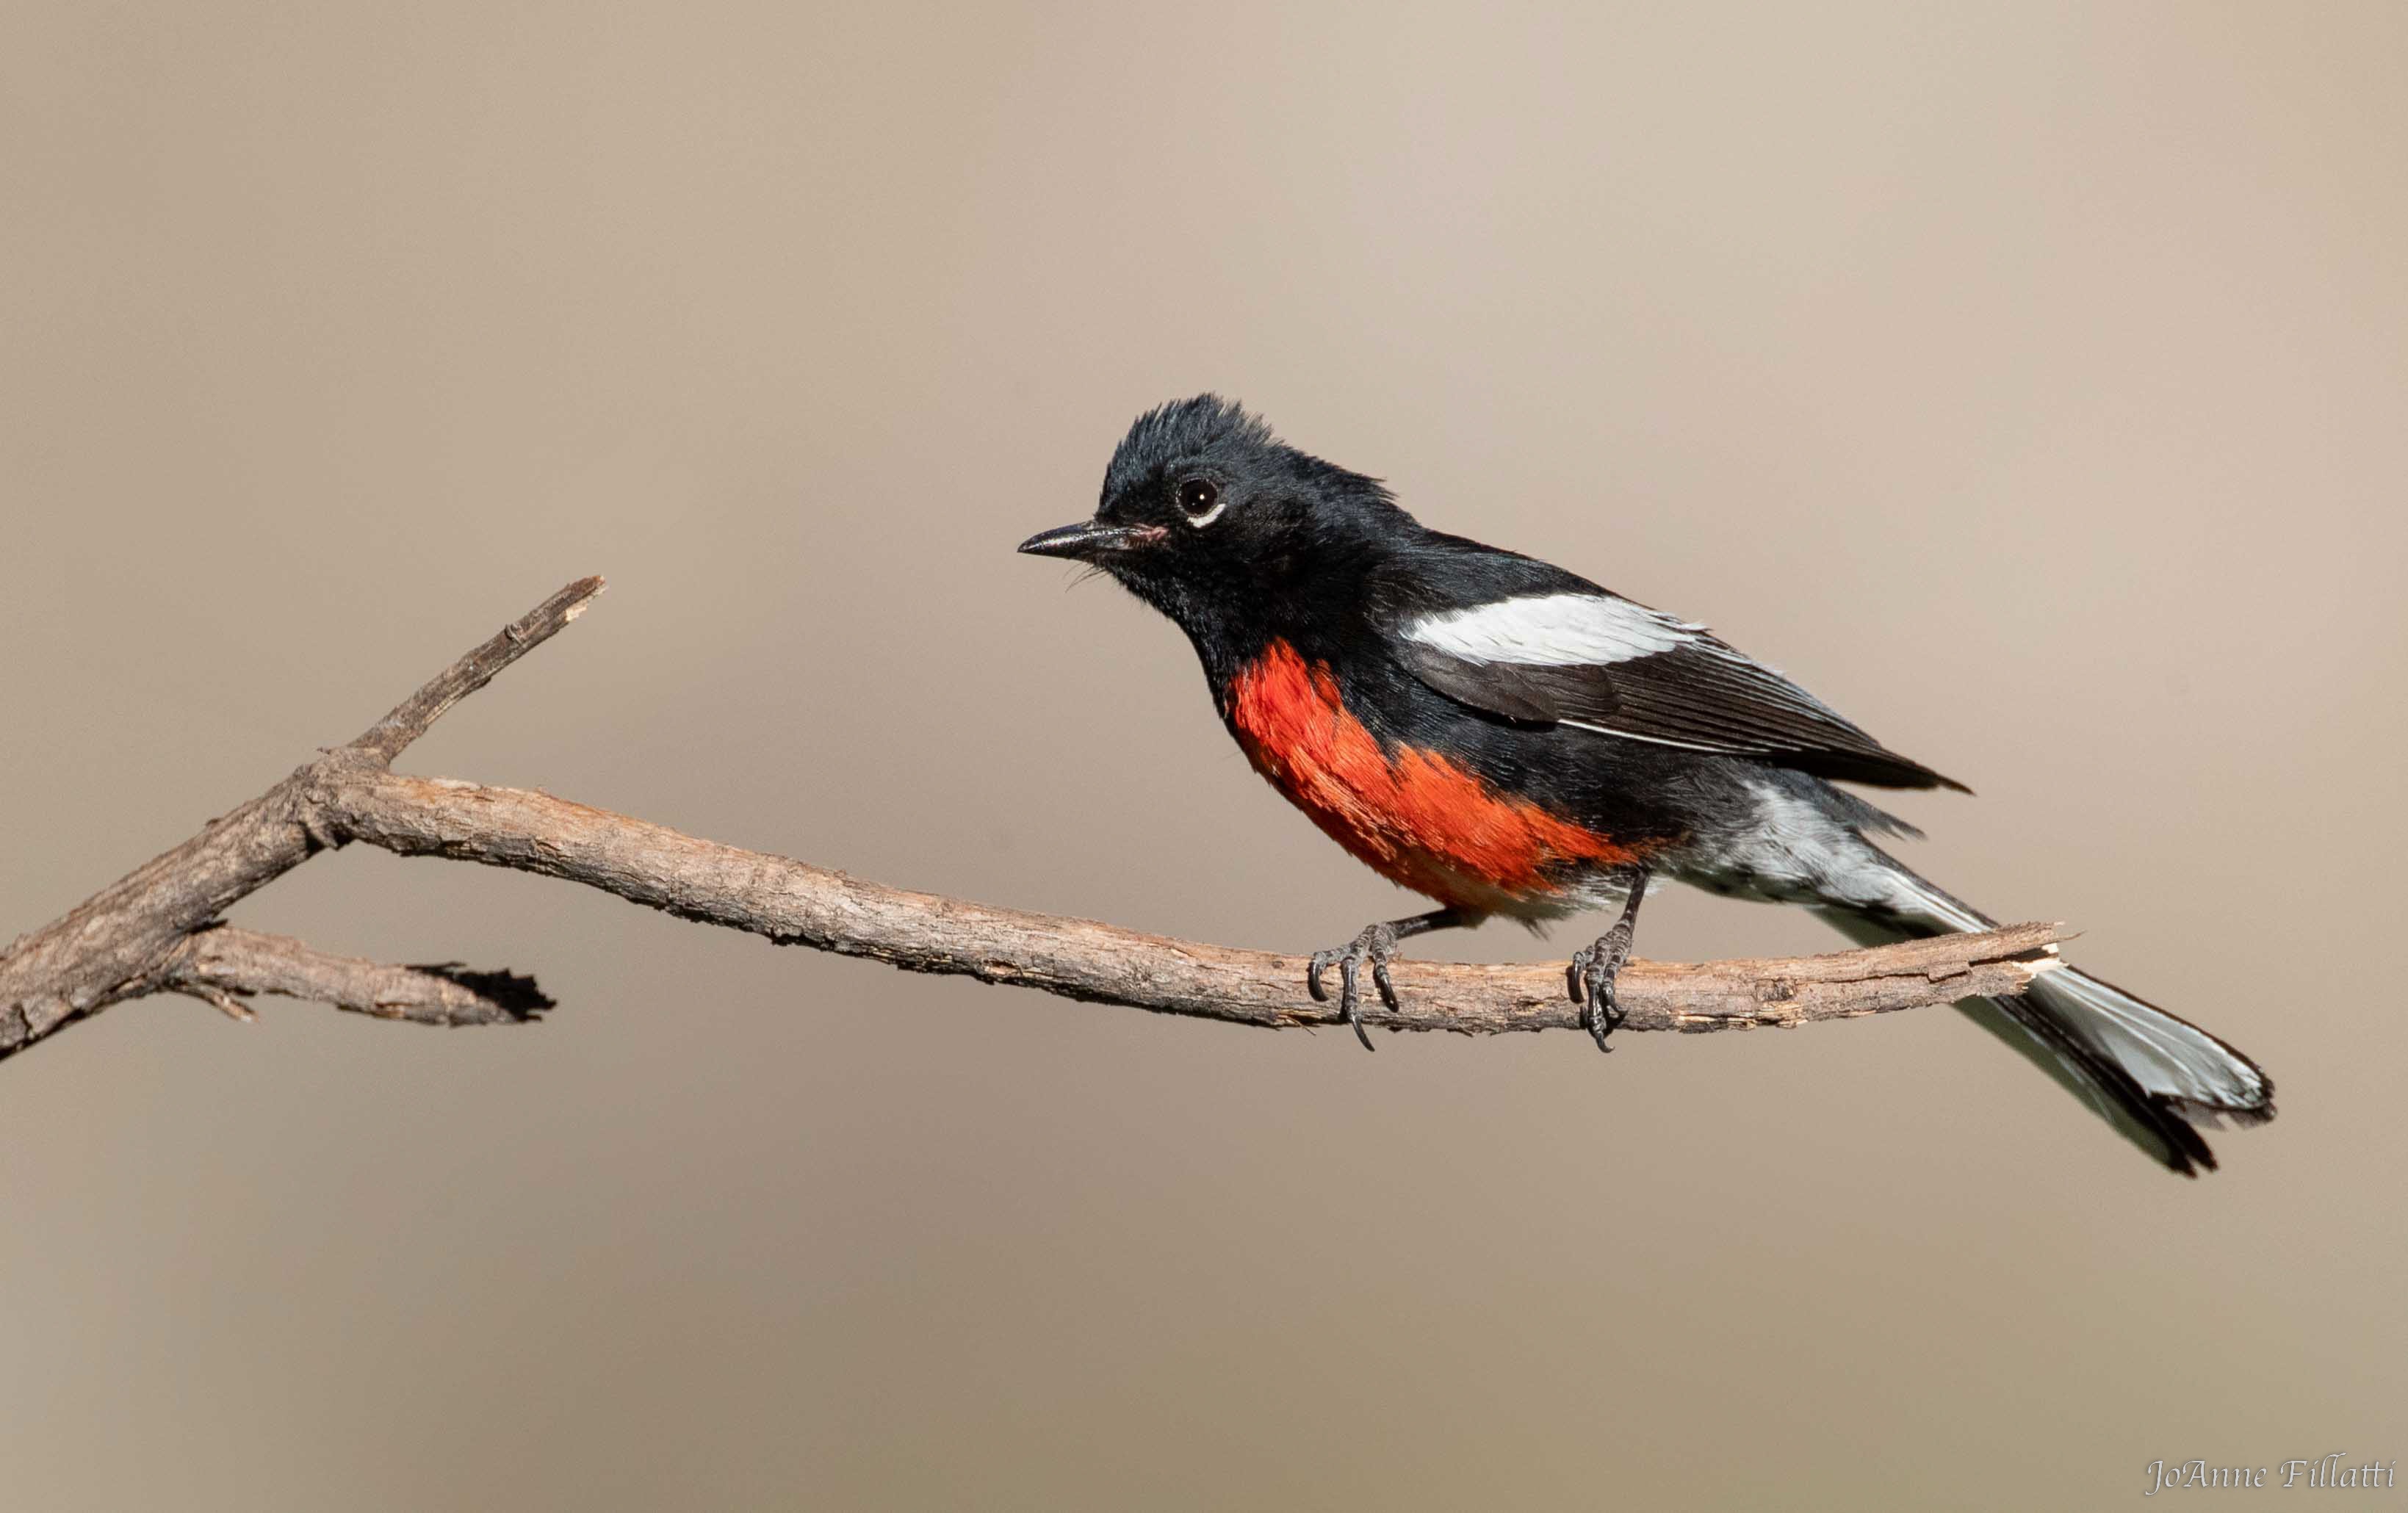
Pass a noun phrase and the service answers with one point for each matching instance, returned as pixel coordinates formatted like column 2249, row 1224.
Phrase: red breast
column 1410, row 814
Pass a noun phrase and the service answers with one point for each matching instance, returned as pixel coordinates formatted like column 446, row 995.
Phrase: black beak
column 1088, row 540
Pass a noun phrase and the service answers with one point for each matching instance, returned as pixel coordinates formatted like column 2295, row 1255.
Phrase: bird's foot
column 1376, row 945
column 1591, row 979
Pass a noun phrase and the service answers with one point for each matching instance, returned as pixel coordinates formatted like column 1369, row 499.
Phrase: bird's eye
column 1201, row 500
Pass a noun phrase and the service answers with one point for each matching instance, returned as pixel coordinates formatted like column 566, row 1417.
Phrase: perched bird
column 1508, row 739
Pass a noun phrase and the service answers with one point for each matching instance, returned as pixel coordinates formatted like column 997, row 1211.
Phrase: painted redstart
column 1508, row 739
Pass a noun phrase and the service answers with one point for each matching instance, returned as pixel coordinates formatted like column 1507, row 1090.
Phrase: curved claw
column 1349, row 996
column 1591, row 980
column 1604, row 1019
column 1375, row 945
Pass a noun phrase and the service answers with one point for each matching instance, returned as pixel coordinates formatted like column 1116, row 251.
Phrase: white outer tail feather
column 2144, row 1071
column 2167, row 1056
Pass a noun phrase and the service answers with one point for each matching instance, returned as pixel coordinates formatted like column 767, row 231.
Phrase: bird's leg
column 1593, row 968
column 1377, row 945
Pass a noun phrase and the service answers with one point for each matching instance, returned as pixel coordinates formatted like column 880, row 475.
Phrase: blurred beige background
column 2027, row 380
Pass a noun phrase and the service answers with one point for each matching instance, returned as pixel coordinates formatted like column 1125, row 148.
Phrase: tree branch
column 113, row 945
column 159, row 929
column 221, row 964
column 411, row 718
column 794, row 903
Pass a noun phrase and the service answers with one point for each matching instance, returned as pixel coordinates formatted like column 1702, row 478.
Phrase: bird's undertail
column 2151, row 1074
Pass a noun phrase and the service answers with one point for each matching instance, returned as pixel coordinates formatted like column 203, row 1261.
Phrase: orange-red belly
column 1412, row 815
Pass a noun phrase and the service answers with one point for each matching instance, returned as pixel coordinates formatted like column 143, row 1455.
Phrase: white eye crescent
column 1200, row 501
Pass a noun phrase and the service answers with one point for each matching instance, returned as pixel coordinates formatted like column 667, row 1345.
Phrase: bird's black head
column 1212, row 520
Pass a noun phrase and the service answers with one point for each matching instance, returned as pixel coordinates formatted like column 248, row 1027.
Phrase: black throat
column 1311, row 594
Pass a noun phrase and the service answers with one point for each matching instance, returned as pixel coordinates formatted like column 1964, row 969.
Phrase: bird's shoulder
column 1434, row 572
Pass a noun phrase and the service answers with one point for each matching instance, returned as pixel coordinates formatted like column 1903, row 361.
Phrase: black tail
column 2151, row 1074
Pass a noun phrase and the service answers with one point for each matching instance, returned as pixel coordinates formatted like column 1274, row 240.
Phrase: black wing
column 1556, row 649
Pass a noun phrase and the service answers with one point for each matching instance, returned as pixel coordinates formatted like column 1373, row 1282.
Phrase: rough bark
column 225, row 964
column 160, row 928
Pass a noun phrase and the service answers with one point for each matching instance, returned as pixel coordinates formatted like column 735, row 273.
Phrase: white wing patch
column 1555, row 630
